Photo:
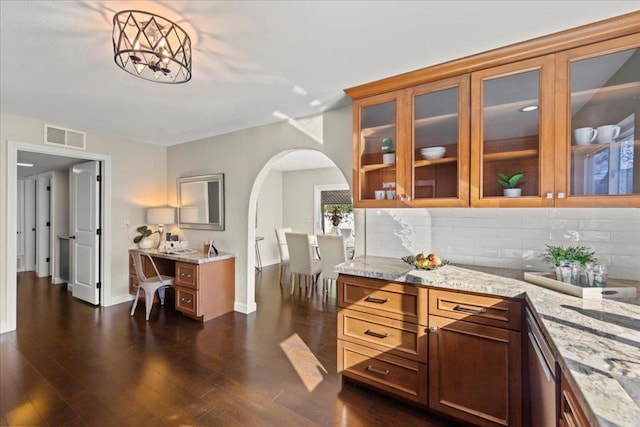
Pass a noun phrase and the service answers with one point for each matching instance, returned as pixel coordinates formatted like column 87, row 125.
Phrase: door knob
column 72, row 237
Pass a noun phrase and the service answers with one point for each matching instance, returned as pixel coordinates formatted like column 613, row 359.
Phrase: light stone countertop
column 197, row 257
column 596, row 342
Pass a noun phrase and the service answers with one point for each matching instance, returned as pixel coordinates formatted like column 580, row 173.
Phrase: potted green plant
column 510, row 184
column 556, row 255
column 143, row 239
column 335, row 214
column 388, row 149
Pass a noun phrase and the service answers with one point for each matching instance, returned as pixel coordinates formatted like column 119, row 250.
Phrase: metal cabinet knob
column 433, row 329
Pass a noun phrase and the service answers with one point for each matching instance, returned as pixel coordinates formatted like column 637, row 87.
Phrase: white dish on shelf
column 432, row 153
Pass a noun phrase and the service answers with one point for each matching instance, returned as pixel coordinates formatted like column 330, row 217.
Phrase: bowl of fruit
column 425, row 262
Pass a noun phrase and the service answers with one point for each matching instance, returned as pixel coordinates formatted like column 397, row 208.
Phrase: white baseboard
column 4, row 327
column 119, row 299
column 270, row 262
column 244, row 308
column 58, row 280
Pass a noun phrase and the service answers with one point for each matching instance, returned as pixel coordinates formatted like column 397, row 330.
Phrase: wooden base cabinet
column 382, row 339
column 475, row 372
column 571, row 414
column 205, row 291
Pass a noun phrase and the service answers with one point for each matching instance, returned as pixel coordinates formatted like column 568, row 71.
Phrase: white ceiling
column 250, row 59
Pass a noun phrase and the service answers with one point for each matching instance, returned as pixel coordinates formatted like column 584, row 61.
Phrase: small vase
column 146, row 243
column 512, row 192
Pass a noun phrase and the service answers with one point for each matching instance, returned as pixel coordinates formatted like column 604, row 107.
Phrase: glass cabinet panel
column 378, row 174
column 511, row 133
column 440, row 142
column 605, row 124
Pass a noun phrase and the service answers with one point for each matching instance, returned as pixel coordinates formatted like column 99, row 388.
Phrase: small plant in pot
column 556, row 255
column 143, row 239
column 388, row 149
column 510, row 184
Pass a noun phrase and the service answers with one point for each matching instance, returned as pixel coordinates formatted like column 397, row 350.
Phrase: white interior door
column 43, row 227
column 84, row 229
column 20, row 261
column 30, row 224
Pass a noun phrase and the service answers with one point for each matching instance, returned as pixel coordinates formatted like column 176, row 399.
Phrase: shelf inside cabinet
column 422, row 163
column 378, row 166
column 510, row 155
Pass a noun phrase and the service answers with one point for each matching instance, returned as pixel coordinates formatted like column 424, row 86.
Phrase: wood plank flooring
column 72, row 364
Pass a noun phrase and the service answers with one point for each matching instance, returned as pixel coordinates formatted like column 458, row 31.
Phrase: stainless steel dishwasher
column 543, row 377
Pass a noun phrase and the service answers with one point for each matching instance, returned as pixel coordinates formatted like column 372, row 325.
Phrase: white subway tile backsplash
column 626, row 236
column 610, row 224
column 507, row 237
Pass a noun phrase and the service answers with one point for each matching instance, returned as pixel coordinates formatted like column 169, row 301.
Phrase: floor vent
column 62, row 137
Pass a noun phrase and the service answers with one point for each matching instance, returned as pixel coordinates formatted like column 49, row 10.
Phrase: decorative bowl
column 432, row 153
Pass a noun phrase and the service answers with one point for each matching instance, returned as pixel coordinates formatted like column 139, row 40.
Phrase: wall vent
column 54, row 135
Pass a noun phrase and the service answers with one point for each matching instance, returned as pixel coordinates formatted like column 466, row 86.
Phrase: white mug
column 391, row 194
column 608, row 133
column 584, row 136
column 380, row 194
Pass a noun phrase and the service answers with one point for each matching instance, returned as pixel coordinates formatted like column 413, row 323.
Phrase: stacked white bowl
column 431, row 153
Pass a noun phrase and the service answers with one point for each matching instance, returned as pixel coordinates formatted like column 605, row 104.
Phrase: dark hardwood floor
column 72, row 364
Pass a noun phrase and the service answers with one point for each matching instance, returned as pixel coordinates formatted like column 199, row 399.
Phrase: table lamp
column 160, row 217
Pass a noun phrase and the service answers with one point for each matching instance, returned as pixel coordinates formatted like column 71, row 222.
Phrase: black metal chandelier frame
column 151, row 47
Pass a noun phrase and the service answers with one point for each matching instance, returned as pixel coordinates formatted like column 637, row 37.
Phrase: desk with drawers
column 204, row 285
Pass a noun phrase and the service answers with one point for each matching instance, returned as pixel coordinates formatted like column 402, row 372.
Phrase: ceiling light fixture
column 529, row 108
column 151, row 47
column 25, row 165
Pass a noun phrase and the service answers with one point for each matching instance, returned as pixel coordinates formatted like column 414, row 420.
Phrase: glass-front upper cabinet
column 440, row 151
column 512, row 134
column 378, row 146
column 599, row 93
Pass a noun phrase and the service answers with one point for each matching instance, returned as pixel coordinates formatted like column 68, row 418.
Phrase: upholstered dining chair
column 149, row 284
column 301, row 262
column 332, row 253
column 283, row 249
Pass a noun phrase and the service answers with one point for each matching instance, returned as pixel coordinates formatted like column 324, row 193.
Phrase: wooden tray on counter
column 616, row 288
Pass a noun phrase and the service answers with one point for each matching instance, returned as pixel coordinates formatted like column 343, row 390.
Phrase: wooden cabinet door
column 598, row 126
column 475, row 372
column 440, row 115
column 571, row 414
column 379, row 122
column 512, row 131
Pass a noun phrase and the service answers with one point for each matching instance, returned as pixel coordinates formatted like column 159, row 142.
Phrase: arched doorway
column 302, row 179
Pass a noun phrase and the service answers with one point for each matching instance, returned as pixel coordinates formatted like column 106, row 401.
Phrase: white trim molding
column 12, row 177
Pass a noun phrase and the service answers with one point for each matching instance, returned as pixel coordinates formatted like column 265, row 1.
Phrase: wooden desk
column 204, row 286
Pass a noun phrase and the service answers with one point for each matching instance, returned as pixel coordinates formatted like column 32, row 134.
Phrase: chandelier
column 151, row 47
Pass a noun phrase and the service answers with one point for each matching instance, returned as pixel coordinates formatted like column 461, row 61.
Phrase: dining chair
column 332, row 253
column 283, row 249
column 301, row 261
column 149, row 284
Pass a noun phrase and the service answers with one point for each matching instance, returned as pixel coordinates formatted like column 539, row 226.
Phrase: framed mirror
column 201, row 202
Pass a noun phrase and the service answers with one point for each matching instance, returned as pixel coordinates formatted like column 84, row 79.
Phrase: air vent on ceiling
column 54, row 135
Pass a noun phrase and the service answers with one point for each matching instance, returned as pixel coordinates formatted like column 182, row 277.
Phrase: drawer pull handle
column 185, row 300
column 375, row 334
column 469, row 310
column 376, row 300
column 377, row 371
column 188, row 276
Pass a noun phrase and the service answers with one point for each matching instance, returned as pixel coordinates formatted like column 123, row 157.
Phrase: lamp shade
column 160, row 216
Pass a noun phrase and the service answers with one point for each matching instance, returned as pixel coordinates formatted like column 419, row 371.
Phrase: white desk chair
column 283, row 249
column 332, row 252
column 301, row 262
column 149, row 284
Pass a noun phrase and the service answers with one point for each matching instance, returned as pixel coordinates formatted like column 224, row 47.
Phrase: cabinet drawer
column 187, row 301
column 395, row 375
column 187, row 275
column 391, row 336
column 393, row 300
column 492, row 311
column 571, row 414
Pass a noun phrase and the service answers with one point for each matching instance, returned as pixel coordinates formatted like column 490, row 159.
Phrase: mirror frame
column 213, row 178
